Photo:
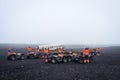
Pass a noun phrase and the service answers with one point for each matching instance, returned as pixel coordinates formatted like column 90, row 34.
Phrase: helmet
column 86, row 48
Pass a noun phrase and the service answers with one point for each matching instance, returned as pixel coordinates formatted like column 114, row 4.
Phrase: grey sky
column 60, row 21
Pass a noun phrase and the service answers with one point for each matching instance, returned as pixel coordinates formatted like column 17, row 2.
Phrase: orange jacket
column 29, row 49
column 46, row 51
column 86, row 52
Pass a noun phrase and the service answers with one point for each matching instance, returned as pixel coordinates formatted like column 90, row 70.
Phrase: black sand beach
column 105, row 67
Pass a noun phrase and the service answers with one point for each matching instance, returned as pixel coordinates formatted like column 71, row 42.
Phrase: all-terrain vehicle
column 57, row 57
column 33, row 55
column 80, row 58
column 15, row 56
column 69, row 56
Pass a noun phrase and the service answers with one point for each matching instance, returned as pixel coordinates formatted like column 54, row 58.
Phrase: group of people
column 86, row 52
column 45, row 52
column 37, row 50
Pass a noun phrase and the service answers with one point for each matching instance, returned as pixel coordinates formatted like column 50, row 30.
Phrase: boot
column 85, row 61
column 88, row 61
column 46, row 60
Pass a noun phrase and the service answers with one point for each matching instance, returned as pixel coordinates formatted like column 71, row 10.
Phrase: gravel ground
column 105, row 67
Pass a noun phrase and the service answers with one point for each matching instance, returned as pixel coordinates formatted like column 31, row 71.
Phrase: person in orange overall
column 29, row 49
column 98, row 51
column 59, row 50
column 86, row 54
column 46, row 52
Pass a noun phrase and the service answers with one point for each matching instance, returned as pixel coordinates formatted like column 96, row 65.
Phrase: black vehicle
column 57, row 57
column 15, row 56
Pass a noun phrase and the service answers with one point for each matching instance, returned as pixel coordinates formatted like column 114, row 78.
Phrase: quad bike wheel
column 31, row 56
column 22, row 57
column 53, row 60
column 64, row 60
column 91, row 59
column 69, row 59
column 12, row 57
column 81, row 61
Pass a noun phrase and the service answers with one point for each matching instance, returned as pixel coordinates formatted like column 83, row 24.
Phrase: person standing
column 86, row 54
column 29, row 49
column 46, row 52
column 98, row 51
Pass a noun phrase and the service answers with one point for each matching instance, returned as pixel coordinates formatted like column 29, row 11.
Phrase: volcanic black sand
column 105, row 67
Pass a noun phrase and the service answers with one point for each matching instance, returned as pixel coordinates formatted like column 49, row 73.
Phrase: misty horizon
column 37, row 44
column 88, row 22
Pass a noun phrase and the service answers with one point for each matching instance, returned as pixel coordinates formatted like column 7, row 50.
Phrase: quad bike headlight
column 35, row 54
column 19, row 54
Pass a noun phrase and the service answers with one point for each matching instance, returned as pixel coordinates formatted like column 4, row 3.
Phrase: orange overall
column 29, row 49
column 46, row 52
column 86, row 53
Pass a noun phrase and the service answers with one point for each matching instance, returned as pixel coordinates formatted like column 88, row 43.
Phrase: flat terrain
column 105, row 67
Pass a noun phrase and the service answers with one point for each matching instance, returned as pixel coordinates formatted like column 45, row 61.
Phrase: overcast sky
column 60, row 21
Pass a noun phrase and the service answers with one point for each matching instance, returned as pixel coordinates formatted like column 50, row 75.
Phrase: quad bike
column 32, row 55
column 69, row 56
column 80, row 58
column 57, row 57
column 15, row 56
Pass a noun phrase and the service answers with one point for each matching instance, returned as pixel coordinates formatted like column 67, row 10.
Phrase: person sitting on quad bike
column 74, row 54
column 14, row 56
column 9, row 51
column 86, row 55
column 59, row 50
column 60, row 54
column 32, row 54
column 37, row 51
